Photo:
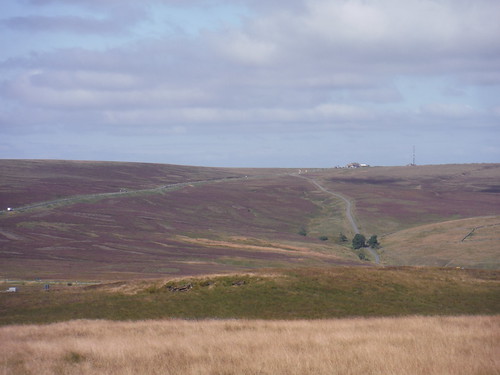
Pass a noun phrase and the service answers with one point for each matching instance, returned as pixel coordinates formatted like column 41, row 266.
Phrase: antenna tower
column 413, row 163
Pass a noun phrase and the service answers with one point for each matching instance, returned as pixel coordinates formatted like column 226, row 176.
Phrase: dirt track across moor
column 70, row 200
column 348, row 212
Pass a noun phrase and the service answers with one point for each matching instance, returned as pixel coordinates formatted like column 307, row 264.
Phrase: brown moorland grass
column 410, row 345
column 472, row 242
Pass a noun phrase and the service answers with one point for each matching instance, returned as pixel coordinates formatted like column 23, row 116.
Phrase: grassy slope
column 314, row 293
column 472, row 242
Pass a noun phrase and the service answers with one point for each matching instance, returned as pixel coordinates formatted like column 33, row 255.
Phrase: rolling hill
column 109, row 220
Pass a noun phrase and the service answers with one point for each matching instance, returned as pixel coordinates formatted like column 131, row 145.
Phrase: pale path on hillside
column 348, row 211
column 77, row 198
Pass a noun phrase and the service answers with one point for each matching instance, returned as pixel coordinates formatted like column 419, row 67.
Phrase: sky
column 251, row 83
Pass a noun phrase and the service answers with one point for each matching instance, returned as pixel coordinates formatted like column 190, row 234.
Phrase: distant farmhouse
column 357, row 165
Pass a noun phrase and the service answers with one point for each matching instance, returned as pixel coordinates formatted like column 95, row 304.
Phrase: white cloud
column 351, row 21
column 341, row 111
column 450, row 110
column 247, row 50
column 95, row 90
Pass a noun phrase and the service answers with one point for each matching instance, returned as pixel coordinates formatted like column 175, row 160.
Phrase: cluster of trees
column 360, row 241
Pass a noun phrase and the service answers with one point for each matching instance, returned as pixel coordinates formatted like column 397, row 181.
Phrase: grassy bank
column 471, row 242
column 280, row 294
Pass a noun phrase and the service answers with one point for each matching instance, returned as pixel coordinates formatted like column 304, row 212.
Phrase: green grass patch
column 311, row 293
column 74, row 357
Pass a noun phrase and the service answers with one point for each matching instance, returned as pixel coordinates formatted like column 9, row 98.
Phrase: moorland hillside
column 109, row 220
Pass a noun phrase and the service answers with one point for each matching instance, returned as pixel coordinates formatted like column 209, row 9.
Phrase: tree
column 358, row 241
column 342, row 237
column 373, row 242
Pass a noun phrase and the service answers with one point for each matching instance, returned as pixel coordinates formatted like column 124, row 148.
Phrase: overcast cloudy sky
column 284, row 83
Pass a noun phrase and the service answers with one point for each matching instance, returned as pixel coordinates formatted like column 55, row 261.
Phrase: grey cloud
column 82, row 79
column 379, row 94
column 30, row 89
column 60, row 24
column 488, row 77
column 96, row 4
column 111, row 18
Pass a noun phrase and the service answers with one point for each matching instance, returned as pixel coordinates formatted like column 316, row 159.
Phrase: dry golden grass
column 240, row 243
column 330, row 251
column 410, row 345
column 472, row 242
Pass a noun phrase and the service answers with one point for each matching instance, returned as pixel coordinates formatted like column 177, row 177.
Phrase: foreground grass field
column 410, row 345
column 302, row 293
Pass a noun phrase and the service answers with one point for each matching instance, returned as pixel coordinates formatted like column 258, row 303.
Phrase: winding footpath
column 348, row 211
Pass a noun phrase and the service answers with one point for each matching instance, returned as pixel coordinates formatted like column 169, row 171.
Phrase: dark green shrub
column 302, row 231
column 358, row 241
column 373, row 242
